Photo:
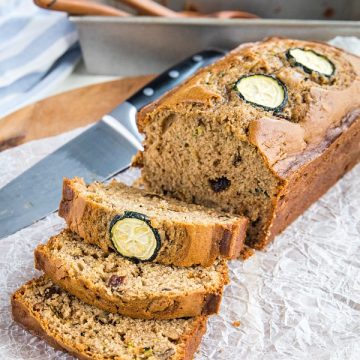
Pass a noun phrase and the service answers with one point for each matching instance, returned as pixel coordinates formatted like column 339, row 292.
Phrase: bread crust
column 190, row 244
column 23, row 315
column 166, row 306
column 313, row 180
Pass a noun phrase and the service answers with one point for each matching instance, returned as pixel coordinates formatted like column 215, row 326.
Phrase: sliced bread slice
column 140, row 290
column 146, row 226
column 90, row 333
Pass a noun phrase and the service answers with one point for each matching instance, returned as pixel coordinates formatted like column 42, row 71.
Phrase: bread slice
column 90, row 333
column 189, row 234
column 139, row 290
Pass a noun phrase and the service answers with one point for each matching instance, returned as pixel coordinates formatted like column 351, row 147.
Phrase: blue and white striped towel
column 38, row 49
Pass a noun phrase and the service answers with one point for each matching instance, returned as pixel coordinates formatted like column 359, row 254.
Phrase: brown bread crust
column 189, row 244
column 38, row 326
column 312, row 180
column 167, row 306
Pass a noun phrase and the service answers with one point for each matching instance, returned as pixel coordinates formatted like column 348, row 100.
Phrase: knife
column 97, row 154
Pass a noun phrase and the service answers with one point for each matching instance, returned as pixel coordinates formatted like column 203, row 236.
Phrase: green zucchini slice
column 133, row 236
column 265, row 91
column 310, row 61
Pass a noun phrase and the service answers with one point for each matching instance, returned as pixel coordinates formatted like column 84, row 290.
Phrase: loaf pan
column 143, row 45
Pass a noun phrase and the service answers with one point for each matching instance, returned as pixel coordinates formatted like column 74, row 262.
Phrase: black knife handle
column 173, row 76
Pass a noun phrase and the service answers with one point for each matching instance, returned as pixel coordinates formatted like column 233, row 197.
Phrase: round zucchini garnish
column 310, row 61
column 133, row 236
column 265, row 91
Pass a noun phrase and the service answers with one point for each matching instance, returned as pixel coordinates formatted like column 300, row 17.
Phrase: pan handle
column 80, row 7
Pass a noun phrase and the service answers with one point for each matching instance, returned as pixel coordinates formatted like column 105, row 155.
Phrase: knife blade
column 98, row 153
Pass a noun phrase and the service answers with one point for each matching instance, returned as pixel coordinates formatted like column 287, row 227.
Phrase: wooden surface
column 66, row 111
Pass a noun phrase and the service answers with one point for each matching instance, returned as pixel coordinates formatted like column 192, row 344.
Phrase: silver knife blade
column 98, row 153
column 95, row 154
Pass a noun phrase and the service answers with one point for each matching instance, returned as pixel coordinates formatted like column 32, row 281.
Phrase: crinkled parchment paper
column 298, row 300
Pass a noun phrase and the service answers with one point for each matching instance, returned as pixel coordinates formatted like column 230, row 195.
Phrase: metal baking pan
column 142, row 45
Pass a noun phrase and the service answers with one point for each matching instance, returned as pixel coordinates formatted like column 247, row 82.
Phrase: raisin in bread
column 89, row 333
column 146, row 226
column 264, row 132
column 139, row 290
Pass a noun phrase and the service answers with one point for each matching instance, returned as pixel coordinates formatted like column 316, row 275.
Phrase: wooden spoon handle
column 150, row 7
column 233, row 14
column 80, row 7
column 225, row 14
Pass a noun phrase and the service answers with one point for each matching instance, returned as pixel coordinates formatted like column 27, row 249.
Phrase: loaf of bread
column 264, row 132
column 89, row 333
column 145, row 226
column 139, row 290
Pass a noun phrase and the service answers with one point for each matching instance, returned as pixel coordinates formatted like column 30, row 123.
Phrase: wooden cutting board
column 66, row 111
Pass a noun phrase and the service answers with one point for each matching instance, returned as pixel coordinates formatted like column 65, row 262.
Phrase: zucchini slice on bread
column 139, row 290
column 265, row 91
column 147, row 227
column 133, row 236
column 311, row 61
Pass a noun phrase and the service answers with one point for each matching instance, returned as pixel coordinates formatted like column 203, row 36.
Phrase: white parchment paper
column 298, row 300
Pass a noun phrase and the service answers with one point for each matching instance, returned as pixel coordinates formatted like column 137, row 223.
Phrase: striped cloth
column 38, row 49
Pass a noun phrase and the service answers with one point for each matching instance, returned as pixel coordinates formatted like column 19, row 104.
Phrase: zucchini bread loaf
column 264, row 132
column 90, row 333
column 139, row 290
column 148, row 227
